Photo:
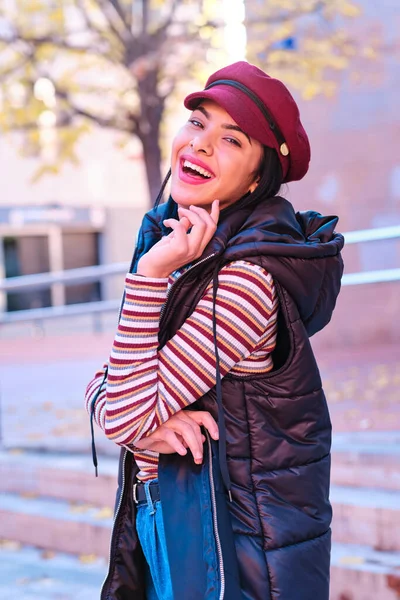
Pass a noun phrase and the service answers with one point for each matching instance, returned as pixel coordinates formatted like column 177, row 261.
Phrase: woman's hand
column 180, row 432
column 180, row 247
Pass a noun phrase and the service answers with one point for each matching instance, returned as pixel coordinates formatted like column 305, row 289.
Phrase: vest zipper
column 215, row 521
column 180, row 278
column 114, row 522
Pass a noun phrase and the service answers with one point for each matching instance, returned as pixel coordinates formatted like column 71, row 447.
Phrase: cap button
column 284, row 149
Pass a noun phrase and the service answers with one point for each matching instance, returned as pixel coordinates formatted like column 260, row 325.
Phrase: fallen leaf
column 87, row 559
column 104, row 513
column 29, row 495
column 351, row 560
column 10, row 545
column 48, row 554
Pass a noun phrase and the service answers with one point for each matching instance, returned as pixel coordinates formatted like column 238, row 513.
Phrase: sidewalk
column 31, row 574
column 42, row 383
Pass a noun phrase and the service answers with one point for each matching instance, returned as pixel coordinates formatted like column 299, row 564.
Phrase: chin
column 186, row 198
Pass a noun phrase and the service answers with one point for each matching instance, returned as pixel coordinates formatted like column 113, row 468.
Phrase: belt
column 139, row 494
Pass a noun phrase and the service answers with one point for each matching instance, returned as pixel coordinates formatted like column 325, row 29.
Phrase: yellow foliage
column 281, row 32
column 349, row 9
column 44, row 170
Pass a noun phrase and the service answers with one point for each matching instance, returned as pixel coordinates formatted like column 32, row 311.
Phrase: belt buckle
column 136, row 501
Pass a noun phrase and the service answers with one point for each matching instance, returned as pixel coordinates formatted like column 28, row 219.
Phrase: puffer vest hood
column 278, row 430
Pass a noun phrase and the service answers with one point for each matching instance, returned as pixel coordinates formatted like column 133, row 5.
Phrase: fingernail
column 216, row 435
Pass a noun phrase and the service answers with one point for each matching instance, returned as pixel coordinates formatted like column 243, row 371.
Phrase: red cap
column 264, row 108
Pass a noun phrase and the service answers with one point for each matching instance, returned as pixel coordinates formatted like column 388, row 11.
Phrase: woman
column 226, row 286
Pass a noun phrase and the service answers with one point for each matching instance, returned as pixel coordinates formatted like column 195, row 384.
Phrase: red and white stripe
column 145, row 387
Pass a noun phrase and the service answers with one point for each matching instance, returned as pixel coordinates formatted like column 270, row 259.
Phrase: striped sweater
column 146, row 386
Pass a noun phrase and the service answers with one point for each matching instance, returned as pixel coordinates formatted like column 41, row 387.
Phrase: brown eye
column 234, row 141
column 195, row 122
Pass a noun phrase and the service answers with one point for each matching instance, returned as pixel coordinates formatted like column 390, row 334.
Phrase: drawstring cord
column 92, row 407
column 132, row 268
column 221, row 418
column 223, row 465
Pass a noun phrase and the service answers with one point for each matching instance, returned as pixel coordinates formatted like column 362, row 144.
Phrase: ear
column 254, row 185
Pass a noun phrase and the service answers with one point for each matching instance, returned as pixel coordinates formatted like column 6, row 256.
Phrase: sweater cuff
column 155, row 284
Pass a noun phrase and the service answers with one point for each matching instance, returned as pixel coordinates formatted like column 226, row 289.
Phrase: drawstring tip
column 96, row 471
column 230, row 496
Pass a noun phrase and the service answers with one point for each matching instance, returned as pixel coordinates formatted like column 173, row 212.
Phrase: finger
column 174, row 224
column 160, row 436
column 186, row 428
column 169, row 436
column 211, row 225
column 179, row 233
column 215, row 211
column 186, row 223
column 206, row 419
column 195, row 426
column 210, row 218
column 195, row 217
column 201, row 231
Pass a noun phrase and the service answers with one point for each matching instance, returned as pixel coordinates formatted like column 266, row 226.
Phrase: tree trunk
column 148, row 130
column 152, row 161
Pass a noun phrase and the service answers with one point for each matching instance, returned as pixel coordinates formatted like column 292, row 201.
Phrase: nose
column 201, row 144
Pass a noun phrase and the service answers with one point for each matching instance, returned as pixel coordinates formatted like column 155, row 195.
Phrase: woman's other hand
column 181, row 246
column 181, row 432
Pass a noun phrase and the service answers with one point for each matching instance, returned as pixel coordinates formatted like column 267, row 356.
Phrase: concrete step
column 30, row 574
column 55, row 524
column 367, row 516
column 68, row 477
column 367, row 459
column 27, row 573
column 362, row 573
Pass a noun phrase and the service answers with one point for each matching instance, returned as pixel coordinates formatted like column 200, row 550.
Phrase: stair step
column 55, row 524
column 367, row 459
column 362, row 573
column 369, row 516
column 27, row 575
column 67, row 477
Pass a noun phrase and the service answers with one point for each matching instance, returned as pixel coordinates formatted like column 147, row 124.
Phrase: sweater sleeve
column 146, row 386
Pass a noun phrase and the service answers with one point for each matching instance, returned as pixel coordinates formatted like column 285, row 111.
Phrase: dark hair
column 270, row 176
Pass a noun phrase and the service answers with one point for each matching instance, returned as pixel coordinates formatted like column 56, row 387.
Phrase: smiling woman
column 211, row 388
column 211, row 150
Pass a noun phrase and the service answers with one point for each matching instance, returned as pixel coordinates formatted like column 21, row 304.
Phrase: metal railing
column 96, row 273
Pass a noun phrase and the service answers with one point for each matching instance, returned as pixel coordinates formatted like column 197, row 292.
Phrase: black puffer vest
column 278, row 431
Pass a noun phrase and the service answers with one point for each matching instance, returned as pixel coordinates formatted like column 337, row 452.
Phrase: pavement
column 42, row 384
column 31, row 574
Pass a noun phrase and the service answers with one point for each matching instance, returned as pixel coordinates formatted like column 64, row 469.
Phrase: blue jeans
column 150, row 529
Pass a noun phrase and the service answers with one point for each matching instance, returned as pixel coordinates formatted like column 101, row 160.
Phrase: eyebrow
column 229, row 126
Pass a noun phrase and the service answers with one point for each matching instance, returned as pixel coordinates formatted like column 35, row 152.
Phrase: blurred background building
column 90, row 98
column 88, row 214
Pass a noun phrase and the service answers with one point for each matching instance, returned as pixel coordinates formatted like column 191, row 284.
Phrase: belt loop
column 135, row 493
column 148, row 498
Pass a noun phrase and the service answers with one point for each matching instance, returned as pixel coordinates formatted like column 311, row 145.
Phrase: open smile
column 194, row 171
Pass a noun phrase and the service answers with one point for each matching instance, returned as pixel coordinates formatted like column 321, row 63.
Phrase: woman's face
column 213, row 159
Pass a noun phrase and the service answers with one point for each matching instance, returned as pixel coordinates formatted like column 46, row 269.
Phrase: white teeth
column 200, row 170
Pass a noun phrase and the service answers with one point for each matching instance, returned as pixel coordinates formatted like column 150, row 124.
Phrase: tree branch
column 120, row 12
column 74, row 110
column 13, row 69
column 103, row 6
column 52, row 41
